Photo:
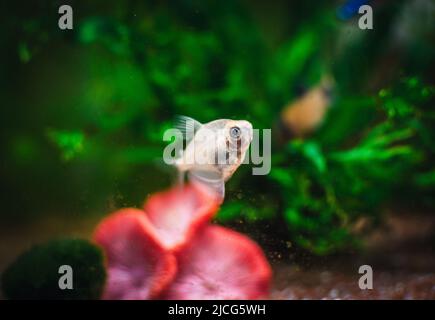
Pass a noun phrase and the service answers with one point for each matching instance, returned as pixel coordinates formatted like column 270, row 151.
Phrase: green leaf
column 70, row 143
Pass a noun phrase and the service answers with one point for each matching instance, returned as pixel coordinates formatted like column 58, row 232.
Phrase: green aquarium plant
column 327, row 186
column 36, row 273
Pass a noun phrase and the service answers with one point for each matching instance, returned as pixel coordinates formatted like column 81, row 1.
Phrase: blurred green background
column 83, row 111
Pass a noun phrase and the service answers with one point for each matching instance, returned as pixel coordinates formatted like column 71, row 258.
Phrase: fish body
column 214, row 151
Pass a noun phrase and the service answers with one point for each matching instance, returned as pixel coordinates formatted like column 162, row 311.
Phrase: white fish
column 213, row 151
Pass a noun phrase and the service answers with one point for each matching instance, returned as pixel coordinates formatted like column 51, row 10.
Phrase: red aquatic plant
column 178, row 213
column 170, row 251
column 220, row 264
column 138, row 266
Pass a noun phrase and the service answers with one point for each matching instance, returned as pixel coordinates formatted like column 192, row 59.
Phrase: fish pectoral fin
column 187, row 125
column 211, row 180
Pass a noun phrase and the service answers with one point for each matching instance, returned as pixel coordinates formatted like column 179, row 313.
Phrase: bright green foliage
column 69, row 143
column 326, row 190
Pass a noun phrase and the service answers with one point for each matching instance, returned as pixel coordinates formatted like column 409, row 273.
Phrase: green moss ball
column 35, row 274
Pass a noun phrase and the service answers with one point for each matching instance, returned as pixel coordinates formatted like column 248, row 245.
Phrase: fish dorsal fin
column 188, row 126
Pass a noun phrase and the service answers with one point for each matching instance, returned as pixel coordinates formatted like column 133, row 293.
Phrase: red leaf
column 178, row 213
column 138, row 266
column 221, row 264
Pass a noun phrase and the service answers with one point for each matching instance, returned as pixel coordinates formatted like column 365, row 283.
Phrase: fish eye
column 235, row 132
